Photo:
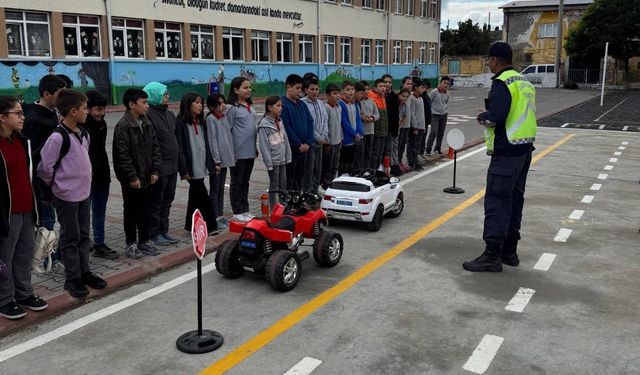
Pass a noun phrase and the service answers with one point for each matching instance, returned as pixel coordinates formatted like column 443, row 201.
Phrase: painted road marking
column 601, row 127
column 596, row 187
column 576, row 214
column 563, row 235
column 520, row 300
column 94, row 317
column 613, row 160
column 602, row 176
column 249, row 347
column 624, row 143
column 483, row 355
column 617, row 153
column 439, row 167
column 621, row 148
column 608, row 167
column 587, row 199
column 304, row 367
column 616, row 106
column 625, row 128
column 545, row 261
column 564, row 125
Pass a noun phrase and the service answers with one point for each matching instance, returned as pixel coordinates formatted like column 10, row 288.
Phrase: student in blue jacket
column 352, row 129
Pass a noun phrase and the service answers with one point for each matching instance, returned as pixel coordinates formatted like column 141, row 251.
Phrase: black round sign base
column 193, row 343
column 453, row 190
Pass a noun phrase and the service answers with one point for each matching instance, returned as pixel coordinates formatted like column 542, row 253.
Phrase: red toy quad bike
column 276, row 248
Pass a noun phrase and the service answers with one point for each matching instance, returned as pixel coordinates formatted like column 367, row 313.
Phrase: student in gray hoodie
column 318, row 112
column 274, row 147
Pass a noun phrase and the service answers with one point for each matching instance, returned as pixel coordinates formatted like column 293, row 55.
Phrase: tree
column 613, row 21
column 468, row 39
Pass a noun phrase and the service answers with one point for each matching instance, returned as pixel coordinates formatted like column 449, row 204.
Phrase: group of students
column 58, row 164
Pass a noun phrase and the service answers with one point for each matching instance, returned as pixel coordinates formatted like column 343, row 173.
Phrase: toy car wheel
column 226, row 260
column 327, row 250
column 398, row 207
column 376, row 223
column 283, row 270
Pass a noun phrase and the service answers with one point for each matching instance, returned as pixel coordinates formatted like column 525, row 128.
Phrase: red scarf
column 195, row 125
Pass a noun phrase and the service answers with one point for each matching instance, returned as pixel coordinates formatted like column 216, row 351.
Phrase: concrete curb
column 62, row 302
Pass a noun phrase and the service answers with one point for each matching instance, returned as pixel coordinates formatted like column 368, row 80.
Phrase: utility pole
column 559, row 40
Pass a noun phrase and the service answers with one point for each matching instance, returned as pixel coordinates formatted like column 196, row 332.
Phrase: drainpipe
column 559, row 41
column 107, row 7
column 389, row 54
column 318, row 41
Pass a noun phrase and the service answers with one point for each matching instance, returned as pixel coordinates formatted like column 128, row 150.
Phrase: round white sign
column 455, row 139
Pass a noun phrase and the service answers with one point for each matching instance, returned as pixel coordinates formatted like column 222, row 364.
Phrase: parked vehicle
column 536, row 73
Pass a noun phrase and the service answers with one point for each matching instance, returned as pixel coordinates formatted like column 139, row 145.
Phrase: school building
column 199, row 45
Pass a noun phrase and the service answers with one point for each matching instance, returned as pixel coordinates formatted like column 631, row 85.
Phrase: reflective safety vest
column 521, row 124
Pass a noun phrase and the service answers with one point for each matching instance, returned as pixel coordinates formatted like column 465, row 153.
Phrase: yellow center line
column 263, row 338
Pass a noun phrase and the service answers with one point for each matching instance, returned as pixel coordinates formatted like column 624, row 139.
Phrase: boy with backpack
column 68, row 175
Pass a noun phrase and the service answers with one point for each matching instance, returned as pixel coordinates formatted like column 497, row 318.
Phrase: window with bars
column 408, row 52
column 305, row 48
column 345, row 50
column 422, row 56
column 284, row 46
column 410, row 7
column 202, row 42
column 432, row 54
column 260, row 46
column 434, row 8
column 397, row 6
column 81, row 36
column 330, row 49
column 424, row 8
column 380, row 4
column 397, row 52
column 379, row 51
column 232, row 44
column 168, row 40
column 367, row 4
column 127, row 37
column 365, row 52
column 27, row 34
column 547, row 30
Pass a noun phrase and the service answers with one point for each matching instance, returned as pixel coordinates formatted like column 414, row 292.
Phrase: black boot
column 489, row 261
column 509, row 251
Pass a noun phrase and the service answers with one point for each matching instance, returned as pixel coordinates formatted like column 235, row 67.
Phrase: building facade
column 189, row 44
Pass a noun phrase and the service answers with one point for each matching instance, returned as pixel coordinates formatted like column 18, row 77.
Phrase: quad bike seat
column 285, row 223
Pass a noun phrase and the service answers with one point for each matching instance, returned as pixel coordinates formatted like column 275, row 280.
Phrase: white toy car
column 364, row 196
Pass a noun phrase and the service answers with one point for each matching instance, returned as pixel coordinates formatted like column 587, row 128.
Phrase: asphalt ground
column 399, row 301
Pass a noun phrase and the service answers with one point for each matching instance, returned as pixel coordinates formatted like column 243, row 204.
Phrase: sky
column 476, row 10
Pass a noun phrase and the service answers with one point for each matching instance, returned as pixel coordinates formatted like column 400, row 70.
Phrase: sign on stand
column 455, row 139
column 200, row 341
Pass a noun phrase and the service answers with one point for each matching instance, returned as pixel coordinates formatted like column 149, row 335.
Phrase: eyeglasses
column 19, row 113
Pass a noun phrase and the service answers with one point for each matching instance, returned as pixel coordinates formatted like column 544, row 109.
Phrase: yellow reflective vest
column 521, row 124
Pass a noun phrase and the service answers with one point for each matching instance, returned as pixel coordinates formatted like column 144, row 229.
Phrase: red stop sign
column 199, row 233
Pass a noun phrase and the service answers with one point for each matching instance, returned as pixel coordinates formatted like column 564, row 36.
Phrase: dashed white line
column 545, row 261
column 601, row 127
column 602, row 176
column 483, row 354
column 304, row 367
column 625, row 128
column 608, row 167
column 563, row 235
column 596, row 187
column 587, row 199
column 576, row 214
column 617, row 153
column 624, row 143
column 621, row 148
column 564, row 125
column 520, row 300
column 613, row 160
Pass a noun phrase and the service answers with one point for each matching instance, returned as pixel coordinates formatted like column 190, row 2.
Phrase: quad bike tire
column 398, row 207
column 327, row 249
column 376, row 223
column 226, row 260
column 283, row 270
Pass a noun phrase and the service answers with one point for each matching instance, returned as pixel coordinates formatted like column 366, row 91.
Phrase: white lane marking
column 545, row 261
column 483, row 354
column 563, row 235
column 576, row 214
column 520, row 300
column 617, row 153
column 92, row 318
column 616, row 106
column 439, row 167
column 624, row 143
column 602, row 176
column 613, row 160
column 601, row 127
column 608, row 167
column 624, row 128
column 564, row 125
column 596, row 187
column 304, row 367
column 621, row 148
column 587, row 199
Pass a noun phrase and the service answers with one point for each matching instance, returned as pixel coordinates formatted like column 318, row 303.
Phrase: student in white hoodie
column 274, row 147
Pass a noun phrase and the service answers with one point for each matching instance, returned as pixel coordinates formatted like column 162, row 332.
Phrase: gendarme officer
column 510, row 130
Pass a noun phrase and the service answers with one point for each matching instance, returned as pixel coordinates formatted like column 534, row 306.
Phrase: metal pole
column 559, row 41
column 604, row 72
column 112, row 79
column 389, row 41
column 199, row 297
column 318, row 41
column 455, row 164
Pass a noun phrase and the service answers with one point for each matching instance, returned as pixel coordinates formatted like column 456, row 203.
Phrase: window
column 284, row 42
column 397, row 47
column 424, row 8
column 529, row 70
column 168, row 40
column 81, row 36
column 548, row 30
column 330, row 49
column 365, row 51
column 260, row 46
column 305, row 48
column 202, row 42
column 379, row 51
column 27, row 33
column 367, row 4
column 127, row 38
column 232, row 44
column 432, row 54
column 397, row 6
column 410, row 6
column 423, row 53
column 408, row 52
column 551, row 68
column 434, row 8
column 345, row 50
column 346, row 2
column 380, row 4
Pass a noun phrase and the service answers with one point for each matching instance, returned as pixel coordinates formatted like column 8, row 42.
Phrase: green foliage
column 613, row 21
column 468, row 39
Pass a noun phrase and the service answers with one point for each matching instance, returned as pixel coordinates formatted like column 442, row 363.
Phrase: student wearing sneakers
column 440, row 109
column 69, row 178
column 136, row 163
column 18, row 214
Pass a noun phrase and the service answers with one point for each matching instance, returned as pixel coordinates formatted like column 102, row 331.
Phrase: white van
column 535, row 73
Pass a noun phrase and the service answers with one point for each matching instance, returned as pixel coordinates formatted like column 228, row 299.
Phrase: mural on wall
column 21, row 79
